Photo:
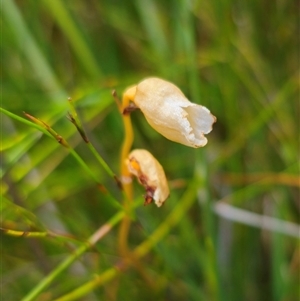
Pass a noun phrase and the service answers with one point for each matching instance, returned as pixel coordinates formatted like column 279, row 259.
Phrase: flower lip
column 150, row 174
column 171, row 114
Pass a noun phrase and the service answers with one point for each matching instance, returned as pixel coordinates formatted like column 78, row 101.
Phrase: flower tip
column 214, row 117
column 213, row 121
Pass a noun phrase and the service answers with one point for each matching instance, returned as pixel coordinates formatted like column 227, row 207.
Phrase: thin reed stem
column 125, row 175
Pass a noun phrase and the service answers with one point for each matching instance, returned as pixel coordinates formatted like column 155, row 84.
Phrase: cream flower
column 170, row 113
column 150, row 174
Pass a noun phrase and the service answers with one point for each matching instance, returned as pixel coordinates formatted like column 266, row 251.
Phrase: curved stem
column 127, row 185
column 126, row 180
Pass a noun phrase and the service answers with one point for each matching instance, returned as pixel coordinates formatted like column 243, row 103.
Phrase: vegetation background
column 235, row 231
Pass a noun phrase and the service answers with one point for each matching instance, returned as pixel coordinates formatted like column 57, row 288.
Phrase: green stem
column 74, row 118
column 20, row 32
column 100, row 233
column 101, row 187
column 17, row 233
column 77, row 41
column 100, row 160
column 25, row 121
column 85, row 289
column 174, row 217
column 105, row 192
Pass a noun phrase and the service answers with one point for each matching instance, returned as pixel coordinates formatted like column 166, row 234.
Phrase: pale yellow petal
column 171, row 114
column 150, row 174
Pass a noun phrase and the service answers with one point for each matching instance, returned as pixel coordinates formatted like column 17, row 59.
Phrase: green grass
column 240, row 59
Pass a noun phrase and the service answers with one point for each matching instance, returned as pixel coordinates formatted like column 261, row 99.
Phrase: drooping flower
column 170, row 113
column 150, row 174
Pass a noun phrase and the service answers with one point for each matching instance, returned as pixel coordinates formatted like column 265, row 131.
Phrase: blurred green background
column 239, row 240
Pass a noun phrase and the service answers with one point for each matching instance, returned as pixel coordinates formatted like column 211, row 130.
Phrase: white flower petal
column 150, row 174
column 169, row 112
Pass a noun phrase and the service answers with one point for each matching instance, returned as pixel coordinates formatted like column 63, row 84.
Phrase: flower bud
column 150, row 174
column 171, row 114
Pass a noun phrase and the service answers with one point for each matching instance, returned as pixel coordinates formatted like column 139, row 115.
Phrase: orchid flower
column 150, row 174
column 170, row 113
